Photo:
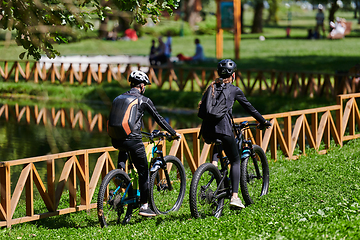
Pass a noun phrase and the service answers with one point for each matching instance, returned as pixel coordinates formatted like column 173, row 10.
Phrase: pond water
column 20, row 138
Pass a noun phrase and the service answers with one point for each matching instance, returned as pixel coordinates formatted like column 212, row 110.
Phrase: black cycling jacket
column 224, row 126
column 146, row 104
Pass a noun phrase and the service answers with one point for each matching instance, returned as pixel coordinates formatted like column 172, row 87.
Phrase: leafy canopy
column 41, row 23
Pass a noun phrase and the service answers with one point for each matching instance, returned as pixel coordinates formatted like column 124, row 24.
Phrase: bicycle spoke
column 167, row 192
column 111, row 194
column 206, row 203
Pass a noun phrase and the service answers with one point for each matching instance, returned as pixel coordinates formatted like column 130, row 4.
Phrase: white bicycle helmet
column 137, row 77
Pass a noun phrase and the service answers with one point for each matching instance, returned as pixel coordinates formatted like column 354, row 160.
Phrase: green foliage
column 314, row 197
column 40, row 24
column 167, row 26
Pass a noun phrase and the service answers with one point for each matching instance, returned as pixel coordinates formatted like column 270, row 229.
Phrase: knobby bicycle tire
column 109, row 208
column 163, row 199
column 252, row 185
column 202, row 201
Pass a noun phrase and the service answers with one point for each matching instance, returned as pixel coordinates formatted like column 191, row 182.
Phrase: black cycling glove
column 264, row 125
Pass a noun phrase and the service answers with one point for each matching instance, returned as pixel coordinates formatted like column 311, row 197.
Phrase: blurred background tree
column 41, row 23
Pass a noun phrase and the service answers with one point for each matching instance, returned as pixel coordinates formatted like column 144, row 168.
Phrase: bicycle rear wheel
column 162, row 198
column 110, row 207
column 254, row 180
column 205, row 182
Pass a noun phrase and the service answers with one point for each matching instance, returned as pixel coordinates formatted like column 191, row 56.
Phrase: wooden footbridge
column 71, row 186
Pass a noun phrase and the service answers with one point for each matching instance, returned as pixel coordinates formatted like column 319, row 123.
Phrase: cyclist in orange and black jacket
column 133, row 143
column 222, row 129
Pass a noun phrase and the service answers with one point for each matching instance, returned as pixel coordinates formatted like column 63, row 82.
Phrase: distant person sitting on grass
column 338, row 29
column 159, row 57
column 199, row 53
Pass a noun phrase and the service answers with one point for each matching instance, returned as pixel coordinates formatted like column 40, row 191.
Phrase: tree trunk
column 357, row 9
column 103, row 32
column 333, row 9
column 272, row 17
column 191, row 15
column 257, row 21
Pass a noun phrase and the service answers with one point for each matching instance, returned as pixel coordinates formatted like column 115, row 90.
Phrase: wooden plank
column 287, row 133
column 339, row 120
column 83, row 170
column 196, row 147
column 314, row 126
column 321, row 129
column 347, row 138
column 204, row 153
column 72, row 184
column 50, row 166
column 283, row 143
column 267, row 135
column 273, row 143
column 19, row 187
column 175, row 146
column 29, row 190
column 48, row 214
column 96, row 174
column 54, row 156
column 193, row 166
column 309, row 134
column 62, row 180
column 2, row 213
column 295, row 133
column 48, row 200
column 346, row 115
column 333, row 130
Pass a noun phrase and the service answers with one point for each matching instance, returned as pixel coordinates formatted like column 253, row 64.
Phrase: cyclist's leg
column 232, row 152
column 122, row 158
column 139, row 159
column 138, row 156
column 214, row 157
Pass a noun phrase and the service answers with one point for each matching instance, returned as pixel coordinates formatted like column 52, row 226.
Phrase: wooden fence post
column 5, row 207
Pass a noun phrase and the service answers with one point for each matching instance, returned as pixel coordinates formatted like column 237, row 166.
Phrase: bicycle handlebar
column 246, row 124
column 158, row 134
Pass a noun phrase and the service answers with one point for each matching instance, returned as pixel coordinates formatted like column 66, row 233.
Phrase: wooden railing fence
column 315, row 128
column 180, row 78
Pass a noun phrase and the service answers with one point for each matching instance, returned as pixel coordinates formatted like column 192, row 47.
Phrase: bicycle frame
column 157, row 161
column 246, row 150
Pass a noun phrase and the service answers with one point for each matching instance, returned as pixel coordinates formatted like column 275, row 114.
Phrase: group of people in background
column 161, row 54
column 337, row 28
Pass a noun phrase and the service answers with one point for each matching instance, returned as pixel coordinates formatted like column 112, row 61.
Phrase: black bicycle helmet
column 137, row 77
column 226, row 68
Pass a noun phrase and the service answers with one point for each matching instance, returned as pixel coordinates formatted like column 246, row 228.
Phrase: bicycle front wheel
column 204, row 201
column 110, row 204
column 254, row 180
column 168, row 196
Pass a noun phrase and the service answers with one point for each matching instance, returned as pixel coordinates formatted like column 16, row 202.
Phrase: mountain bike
column 119, row 196
column 210, row 187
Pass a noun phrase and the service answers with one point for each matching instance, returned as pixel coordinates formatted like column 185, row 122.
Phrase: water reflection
column 29, row 131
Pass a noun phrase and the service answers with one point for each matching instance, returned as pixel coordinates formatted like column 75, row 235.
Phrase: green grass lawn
column 276, row 52
column 314, row 197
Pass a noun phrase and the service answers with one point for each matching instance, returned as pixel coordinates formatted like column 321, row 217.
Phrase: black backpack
column 213, row 106
column 122, row 118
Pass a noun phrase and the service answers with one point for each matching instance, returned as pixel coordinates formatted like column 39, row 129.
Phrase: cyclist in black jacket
column 133, row 143
column 222, row 129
